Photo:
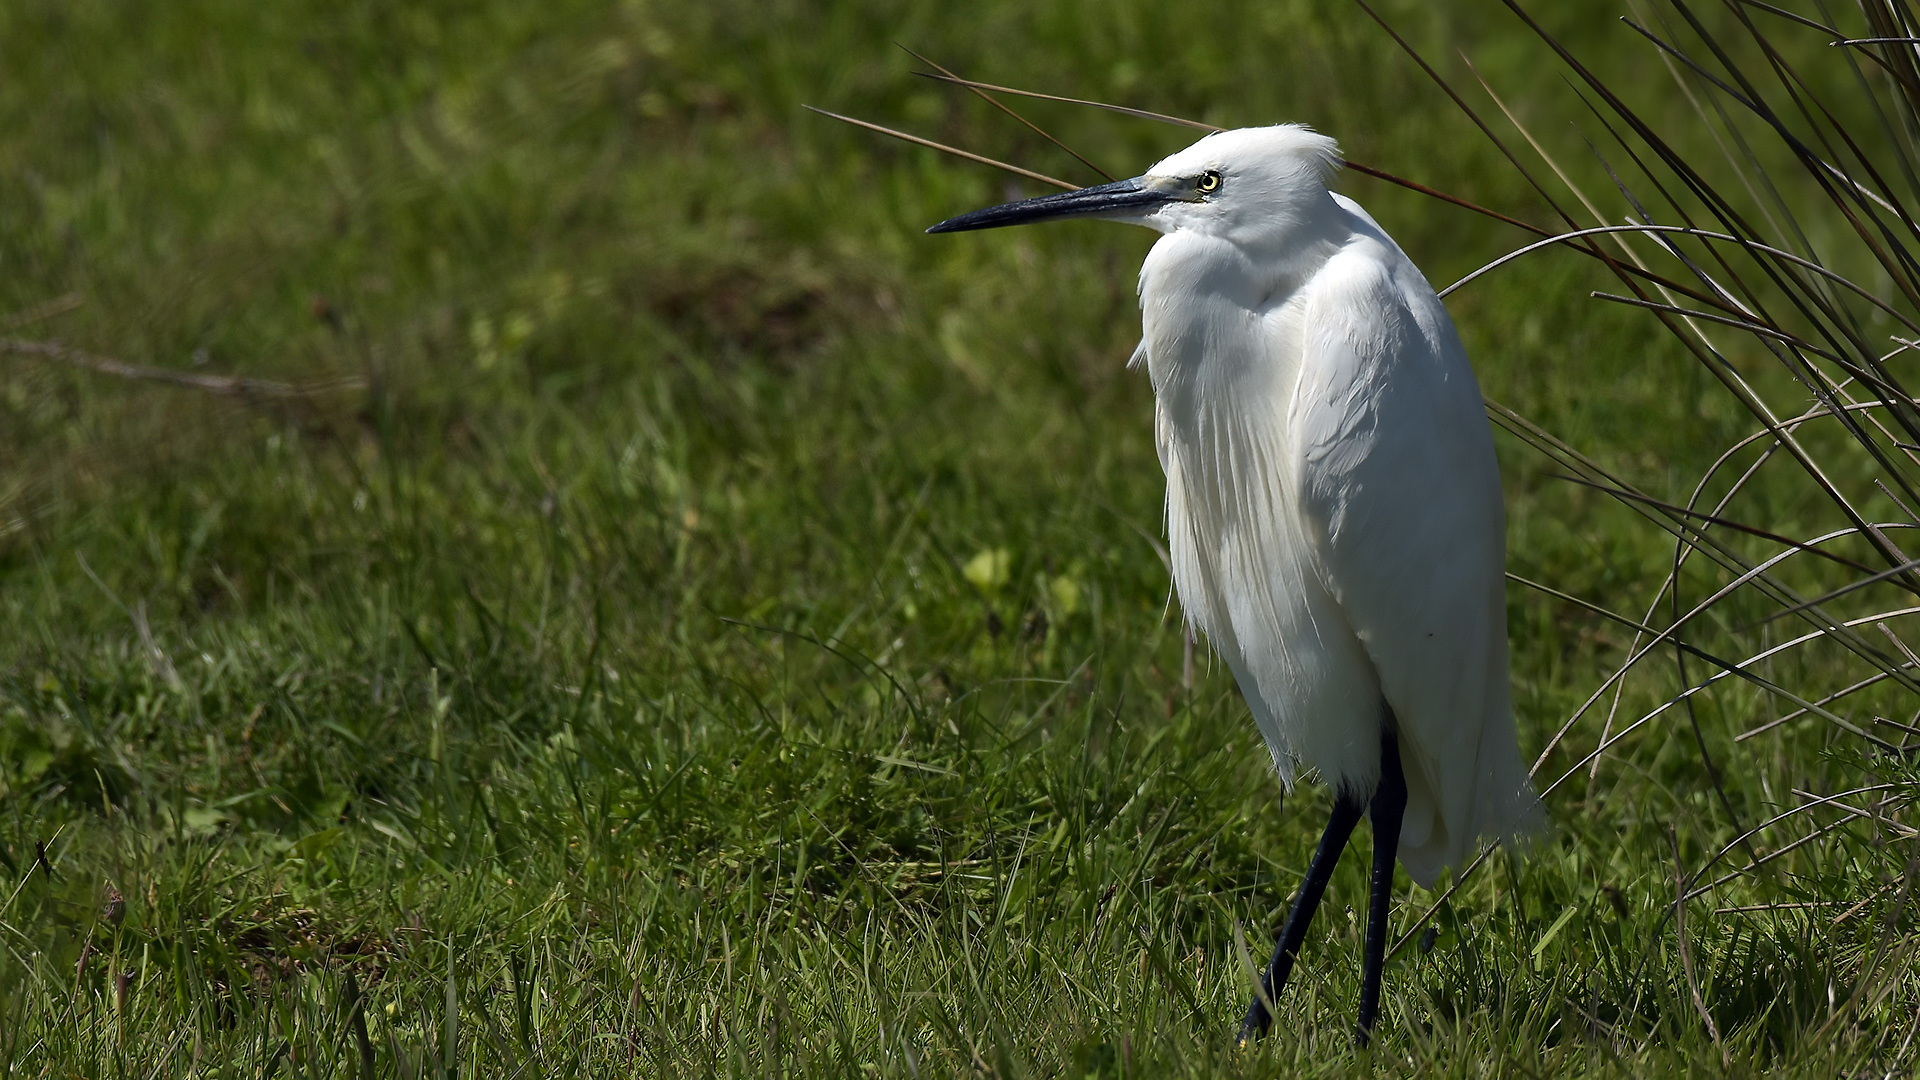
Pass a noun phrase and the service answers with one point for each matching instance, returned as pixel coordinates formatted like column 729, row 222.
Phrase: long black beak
column 1122, row 198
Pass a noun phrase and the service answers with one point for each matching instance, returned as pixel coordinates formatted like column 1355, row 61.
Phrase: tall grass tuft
column 1770, row 227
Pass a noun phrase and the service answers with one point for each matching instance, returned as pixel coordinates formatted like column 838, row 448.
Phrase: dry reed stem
column 225, row 385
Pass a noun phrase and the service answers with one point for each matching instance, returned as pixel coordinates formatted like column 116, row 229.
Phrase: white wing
column 1402, row 499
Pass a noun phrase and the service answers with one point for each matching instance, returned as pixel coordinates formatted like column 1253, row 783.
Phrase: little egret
column 1333, row 505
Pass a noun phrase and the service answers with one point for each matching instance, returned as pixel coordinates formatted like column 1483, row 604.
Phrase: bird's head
column 1247, row 185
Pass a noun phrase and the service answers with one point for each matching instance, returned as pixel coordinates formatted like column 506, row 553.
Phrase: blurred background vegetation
column 515, row 554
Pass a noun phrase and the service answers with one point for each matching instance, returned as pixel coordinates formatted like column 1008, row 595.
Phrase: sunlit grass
column 715, row 629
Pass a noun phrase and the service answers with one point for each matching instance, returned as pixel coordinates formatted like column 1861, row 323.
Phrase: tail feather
column 1499, row 805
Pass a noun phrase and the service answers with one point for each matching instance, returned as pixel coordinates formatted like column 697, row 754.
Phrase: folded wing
column 1402, row 498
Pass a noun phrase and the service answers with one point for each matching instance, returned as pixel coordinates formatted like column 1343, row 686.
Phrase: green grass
column 613, row 666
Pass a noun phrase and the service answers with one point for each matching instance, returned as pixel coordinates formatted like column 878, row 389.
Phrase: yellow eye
column 1208, row 183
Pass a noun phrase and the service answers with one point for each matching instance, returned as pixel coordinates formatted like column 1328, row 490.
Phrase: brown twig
column 1181, row 121
column 998, row 104
column 945, row 149
column 1124, row 110
column 46, row 309
column 225, row 385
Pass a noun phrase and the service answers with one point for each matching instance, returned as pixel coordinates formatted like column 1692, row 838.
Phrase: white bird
column 1333, row 504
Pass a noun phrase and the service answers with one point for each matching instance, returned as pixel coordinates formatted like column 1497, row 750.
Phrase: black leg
column 1346, row 814
column 1388, row 809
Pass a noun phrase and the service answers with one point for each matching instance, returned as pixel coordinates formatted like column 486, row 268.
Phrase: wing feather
column 1401, row 497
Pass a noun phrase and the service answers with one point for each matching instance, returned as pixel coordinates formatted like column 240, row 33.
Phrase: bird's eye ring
column 1208, row 183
